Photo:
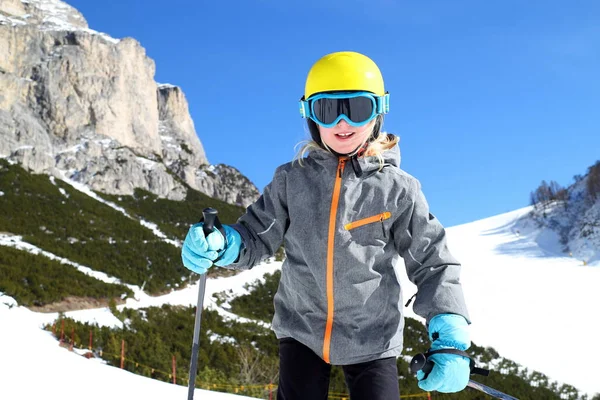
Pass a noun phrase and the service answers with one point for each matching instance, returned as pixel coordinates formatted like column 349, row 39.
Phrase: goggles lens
column 357, row 109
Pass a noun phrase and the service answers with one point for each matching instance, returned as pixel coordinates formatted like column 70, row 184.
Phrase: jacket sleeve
column 264, row 224
column 421, row 241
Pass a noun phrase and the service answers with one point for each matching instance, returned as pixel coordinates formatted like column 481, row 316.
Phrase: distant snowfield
column 529, row 302
column 526, row 300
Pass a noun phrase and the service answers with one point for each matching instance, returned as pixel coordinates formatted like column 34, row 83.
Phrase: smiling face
column 345, row 138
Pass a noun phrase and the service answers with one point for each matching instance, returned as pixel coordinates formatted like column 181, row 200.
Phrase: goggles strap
column 383, row 104
column 304, row 108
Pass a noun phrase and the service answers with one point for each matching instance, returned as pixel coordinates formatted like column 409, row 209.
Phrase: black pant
column 303, row 375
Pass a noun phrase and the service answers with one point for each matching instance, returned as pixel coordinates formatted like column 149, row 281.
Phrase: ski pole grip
column 210, row 219
column 428, row 367
column 420, row 363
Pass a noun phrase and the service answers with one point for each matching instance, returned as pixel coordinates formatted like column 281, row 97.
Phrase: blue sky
column 488, row 97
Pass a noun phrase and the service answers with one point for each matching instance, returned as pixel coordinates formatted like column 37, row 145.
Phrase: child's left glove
column 231, row 252
column 199, row 252
column 450, row 372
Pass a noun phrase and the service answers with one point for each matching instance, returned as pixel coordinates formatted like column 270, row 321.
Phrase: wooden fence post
column 174, row 364
column 122, row 353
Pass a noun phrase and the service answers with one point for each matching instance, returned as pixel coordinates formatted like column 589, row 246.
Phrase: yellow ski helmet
column 344, row 71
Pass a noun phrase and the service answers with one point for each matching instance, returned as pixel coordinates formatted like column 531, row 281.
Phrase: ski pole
column 421, row 362
column 210, row 221
column 488, row 390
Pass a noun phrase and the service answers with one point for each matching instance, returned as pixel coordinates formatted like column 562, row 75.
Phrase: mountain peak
column 81, row 103
column 46, row 15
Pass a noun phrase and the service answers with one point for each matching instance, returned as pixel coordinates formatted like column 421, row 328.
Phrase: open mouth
column 344, row 135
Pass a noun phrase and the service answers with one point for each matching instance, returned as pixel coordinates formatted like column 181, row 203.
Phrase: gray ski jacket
column 344, row 224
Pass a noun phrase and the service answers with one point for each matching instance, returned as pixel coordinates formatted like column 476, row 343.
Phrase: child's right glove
column 199, row 252
column 450, row 372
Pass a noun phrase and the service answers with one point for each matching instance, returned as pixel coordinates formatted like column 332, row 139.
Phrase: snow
column 72, row 149
column 146, row 163
column 201, row 173
column 587, row 247
column 165, row 85
column 168, row 141
column 57, row 365
column 189, row 295
column 530, row 302
column 9, row 160
column 18, row 243
column 33, row 366
column 157, row 232
column 106, row 143
column 56, row 18
column 526, row 299
column 150, row 225
column 12, row 21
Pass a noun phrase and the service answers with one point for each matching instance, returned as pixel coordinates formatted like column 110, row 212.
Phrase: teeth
column 344, row 134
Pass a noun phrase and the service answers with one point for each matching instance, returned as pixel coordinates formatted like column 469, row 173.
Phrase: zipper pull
column 381, row 219
column 341, row 167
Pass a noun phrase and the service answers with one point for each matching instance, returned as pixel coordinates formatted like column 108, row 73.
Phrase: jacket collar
column 361, row 165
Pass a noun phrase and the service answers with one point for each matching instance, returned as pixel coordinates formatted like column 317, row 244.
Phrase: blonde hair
column 375, row 148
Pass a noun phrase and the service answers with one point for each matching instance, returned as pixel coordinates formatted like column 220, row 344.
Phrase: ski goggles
column 356, row 108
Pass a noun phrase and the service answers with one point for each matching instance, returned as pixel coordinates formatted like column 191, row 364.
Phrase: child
column 346, row 213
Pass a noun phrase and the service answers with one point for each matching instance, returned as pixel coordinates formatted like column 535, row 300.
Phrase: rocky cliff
column 78, row 103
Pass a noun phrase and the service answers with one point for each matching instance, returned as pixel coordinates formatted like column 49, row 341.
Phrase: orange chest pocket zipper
column 365, row 221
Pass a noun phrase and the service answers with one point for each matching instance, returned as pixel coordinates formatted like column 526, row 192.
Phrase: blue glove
column 450, row 372
column 234, row 244
column 199, row 252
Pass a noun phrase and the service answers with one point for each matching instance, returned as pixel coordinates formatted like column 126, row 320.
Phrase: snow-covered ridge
column 17, row 242
column 574, row 222
column 52, row 15
column 166, row 85
column 150, row 225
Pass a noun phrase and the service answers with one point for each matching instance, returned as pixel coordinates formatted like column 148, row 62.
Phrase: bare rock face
column 13, row 8
column 77, row 102
column 182, row 153
column 221, row 178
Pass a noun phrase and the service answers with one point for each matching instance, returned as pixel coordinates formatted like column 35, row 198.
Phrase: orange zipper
column 375, row 218
column 337, row 187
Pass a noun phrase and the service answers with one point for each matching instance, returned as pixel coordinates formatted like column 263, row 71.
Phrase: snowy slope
column 33, row 366
column 529, row 302
column 526, row 300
